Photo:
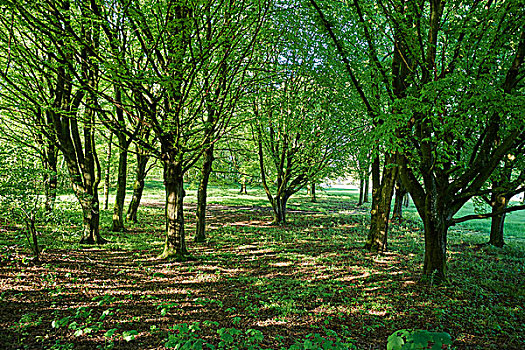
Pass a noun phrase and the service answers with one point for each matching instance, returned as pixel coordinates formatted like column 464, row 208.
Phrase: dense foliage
column 425, row 97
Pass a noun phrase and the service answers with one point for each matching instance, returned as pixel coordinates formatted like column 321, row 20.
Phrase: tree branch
column 485, row 216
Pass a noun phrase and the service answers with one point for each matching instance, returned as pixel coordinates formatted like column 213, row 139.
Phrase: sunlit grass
column 292, row 279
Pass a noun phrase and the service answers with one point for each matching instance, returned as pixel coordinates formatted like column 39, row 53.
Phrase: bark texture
column 175, row 244
column 107, row 172
column 202, row 194
column 138, row 186
column 399, row 201
column 120, row 196
column 382, row 192
column 499, row 203
column 50, row 176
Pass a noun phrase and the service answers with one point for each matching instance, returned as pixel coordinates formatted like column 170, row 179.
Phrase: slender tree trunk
column 367, row 189
column 398, row 203
column 118, row 207
column 175, row 245
column 31, row 235
column 138, row 186
column 361, row 190
column 243, row 186
column 107, row 173
column 499, row 203
column 382, row 192
column 200, row 235
column 50, row 176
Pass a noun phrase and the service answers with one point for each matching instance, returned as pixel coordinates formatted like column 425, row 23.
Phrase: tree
column 55, row 77
column 453, row 88
column 502, row 190
column 22, row 181
column 170, row 59
column 400, row 199
column 506, row 182
column 460, row 136
column 141, row 170
column 301, row 135
column 366, row 83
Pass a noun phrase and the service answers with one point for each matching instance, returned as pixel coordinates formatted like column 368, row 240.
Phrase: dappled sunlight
column 287, row 281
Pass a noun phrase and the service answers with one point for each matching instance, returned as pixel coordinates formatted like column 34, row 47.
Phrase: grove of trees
column 425, row 94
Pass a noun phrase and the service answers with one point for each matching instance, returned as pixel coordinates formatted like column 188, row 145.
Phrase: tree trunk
column 138, row 186
column 91, row 220
column 243, row 187
column 367, row 184
column 279, row 209
column 398, row 203
column 382, row 192
column 107, row 173
column 31, row 235
column 313, row 197
column 118, row 207
column 175, row 245
column 361, row 190
column 434, row 268
column 499, row 203
column 200, row 235
column 50, row 176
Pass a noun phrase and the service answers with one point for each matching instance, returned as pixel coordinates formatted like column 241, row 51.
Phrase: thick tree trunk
column 138, row 186
column 85, row 178
column 107, row 173
column 382, row 192
column 434, row 267
column 175, row 245
column 91, row 220
column 200, row 235
column 398, row 203
column 499, row 203
column 279, row 209
column 313, row 196
column 118, row 207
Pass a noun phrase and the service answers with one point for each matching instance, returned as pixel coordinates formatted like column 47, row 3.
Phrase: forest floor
column 255, row 285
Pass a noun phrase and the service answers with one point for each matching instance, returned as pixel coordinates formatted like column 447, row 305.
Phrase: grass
column 307, row 284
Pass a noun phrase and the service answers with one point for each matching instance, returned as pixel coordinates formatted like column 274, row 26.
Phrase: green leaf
column 110, row 333
column 395, row 342
column 129, row 335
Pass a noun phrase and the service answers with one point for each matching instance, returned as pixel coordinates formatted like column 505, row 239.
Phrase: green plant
column 109, row 343
column 317, row 342
column 104, row 299
column 129, row 335
column 164, row 307
column 406, row 339
column 24, row 324
column 62, row 346
column 184, row 336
